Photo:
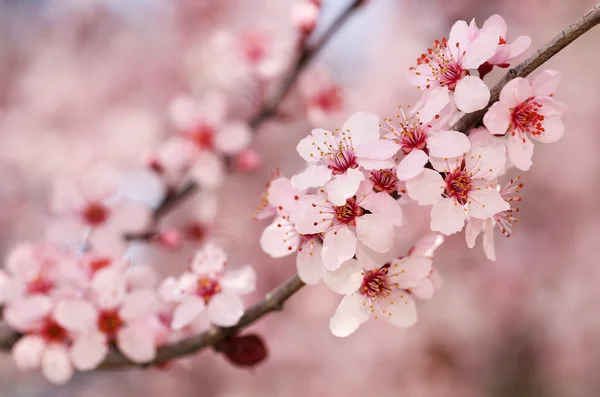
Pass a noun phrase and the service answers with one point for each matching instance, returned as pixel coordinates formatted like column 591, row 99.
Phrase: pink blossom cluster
column 341, row 212
column 73, row 308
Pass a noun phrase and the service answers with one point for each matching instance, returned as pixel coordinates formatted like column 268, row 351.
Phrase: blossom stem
column 553, row 47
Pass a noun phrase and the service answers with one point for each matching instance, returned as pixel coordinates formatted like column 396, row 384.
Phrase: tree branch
column 559, row 42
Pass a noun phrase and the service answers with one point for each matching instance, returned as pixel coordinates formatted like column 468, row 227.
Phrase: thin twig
column 553, row 47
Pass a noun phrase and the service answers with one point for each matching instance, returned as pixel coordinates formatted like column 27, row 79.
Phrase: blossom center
column 95, row 213
column 445, row 69
column 53, row 332
column 99, row 263
column 202, row 136
column 458, row 185
column 385, row 180
column 346, row 214
column 109, row 322
column 254, row 47
column 206, row 288
column 526, row 117
column 195, row 231
column 39, row 285
column 413, row 138
column 329, row 100
column 376, row 283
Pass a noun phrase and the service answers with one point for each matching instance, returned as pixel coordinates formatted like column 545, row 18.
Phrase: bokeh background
column 89, row 80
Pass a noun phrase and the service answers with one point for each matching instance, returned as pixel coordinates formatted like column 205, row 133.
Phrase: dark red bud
column 244, row 350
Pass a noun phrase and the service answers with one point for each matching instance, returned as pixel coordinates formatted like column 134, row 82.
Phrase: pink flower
column 207, row 286
column 447, row 65
column 421, row 134
column 304, row 16
column 461, row 188
column 506, row 220
column 338, row 155
column 45, row 342
column 209, row 136
column 327, row 103
column 111, row 315
column 527, row 108
column 385, row 291
column 505, row 52
column 96, row 205
column 344, row 226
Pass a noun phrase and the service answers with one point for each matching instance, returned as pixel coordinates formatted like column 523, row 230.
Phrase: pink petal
column 101, row 182
column 89, row 350
column 76, row 315
column 208, row 170
column 447, row 143
column 403, row 313
column 427, row 245
column 225, row 309
column 65, row 197
column 554, row 129
column 471, row 94
column 480, row 50
column 487, row 161
column 425, row 290
column 381, row 150
column 488, row 240
column 363, row 128
column 519, row 46
column 412, row 165
column 136, row 343
column 308, row 147
column 282, row 193
column 497, row 118
column 309, row 263
column 139, row 303
column 486, row 202
column 370, row 164
column 346, row 279
column 141, row 276
column 108, row 240
column 419, row 76
column 520, row 151
column 338, row 247
column 27, row 352
column 56, row 365
column 209, row 260
column 279, row 239
column 233, row 138
column 313, row 176
column 190, row 307
column 458, row 34
column 435, row 102
column 426, row 188
column 23, row 314
column 306, row 216
column 384, row 205
column 108, row 287
column 447, row 217
column 239, row 281
column 370, row 259
column 344, row 186
column 410, row 271
column 169, row 290
column 545, row 83
column 348, row 316
column 129, row 216
column 474, row 228
column 515, row 92
column 9, row 288
column 496, row 25
column 184, row 111
column 375, row 232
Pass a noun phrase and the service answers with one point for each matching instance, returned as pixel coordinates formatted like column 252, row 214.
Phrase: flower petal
column 486, row 202
column 225, row 309
column 348, row 316
column 479, row 50
column 190, row 307
column 136, row 343
column 384, row 205
column 474, row 228
column 375, row 232
column 27, row 352
column 56, row 365
column 520, row 151
column 410, row 271
column 554, row 129
column 447, row 143
column 412, row 165
column 447, row 217
column 280, row 238
column 403, row 313
column 545, row 83
column 89, row 350
column 497, row 118
column 139, row 303
column 314, row 176
column 309, row 263
column 346, row 279
column 108, row 287
column 471, row 94
column 488, row 240
column 76, row 315
column 338, row 247
column 363, row 128
column 101, row 182
column 426, row 188
column 344, row 186
column 24, row 313
column 233, row 137
column 436, row 101
column 516, row 91
column 239, row 281
column 207, row 170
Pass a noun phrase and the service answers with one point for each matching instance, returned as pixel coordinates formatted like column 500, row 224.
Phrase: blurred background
column 83, row 81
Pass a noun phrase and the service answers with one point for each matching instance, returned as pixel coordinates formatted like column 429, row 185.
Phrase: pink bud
column 305, row 15
column 247, row 161
column 170, row 238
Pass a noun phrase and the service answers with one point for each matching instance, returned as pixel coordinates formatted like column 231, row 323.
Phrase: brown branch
column 559, row 42
column 273, row 301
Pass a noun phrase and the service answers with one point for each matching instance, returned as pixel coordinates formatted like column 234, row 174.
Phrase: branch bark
column 553, row 47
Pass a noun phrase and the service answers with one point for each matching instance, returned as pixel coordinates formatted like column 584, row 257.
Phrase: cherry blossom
column 304, row 16
column 527, row 110
column 207, row 286
column 384, row 292
column 505, row 52
column 326, row 101
column 45, row 343
column 344, row 226
column 419, row 138
column 505, row 220
column 209, row 136
column 112, row 314
column 97, row 206
column 338, row 155
column 461, row 187
column 449, row 62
